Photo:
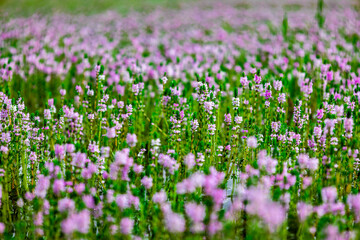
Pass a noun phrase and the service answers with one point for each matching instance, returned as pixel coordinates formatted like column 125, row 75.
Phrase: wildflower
column 195, row 212
column 66, row 204
column 101, row 77
column 236, row 103
column 111, row 132
column 76, row 222
column 42, row 186
column 277, row 85
column 228, row 118
column 189, row 161
column 252, row 142
column 62, row 92
column 147, row 182
column 320, row 113
column 2, row 228
column 304, row 210
column 212, row 128
column 238, row 120
column 138, row 168
column 275, row 126
column 159, row 197
column 348, row 124
column 317, row 132
column 131, row 139
column 175, row 223
column 122, row 201
column 164, row 80
column 194, row 125
column 126, row 226
column 58, row 186
column 329, row 194
column 281, row 98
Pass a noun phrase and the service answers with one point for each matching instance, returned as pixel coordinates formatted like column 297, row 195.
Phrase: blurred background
column 13, row 8
column 29, row 7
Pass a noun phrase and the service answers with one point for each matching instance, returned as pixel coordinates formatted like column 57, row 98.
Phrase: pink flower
column 317, row 131
column 122, row 201
column 76, row 222
column 126, row 225
column 320, row 113
column 195, row 212
column 79, row 188
column 70, row 148
column 51, row 102
column 227, row 118
column 189, row 161
column 252, row 142
column 138, row 168
column 89, row 201
column 66, row 204
column 174, row 222
column 62, row 92
column 159, row 197
column 42, row 186
column 58, row 186
column 2, row 228
column 329, row 194
column 147, row 182
column 303, row 160
column 304, row 210
column 131, row 139
column 348, row 124
column 111, row 132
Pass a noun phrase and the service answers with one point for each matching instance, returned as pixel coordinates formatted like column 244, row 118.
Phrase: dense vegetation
column 209, row 120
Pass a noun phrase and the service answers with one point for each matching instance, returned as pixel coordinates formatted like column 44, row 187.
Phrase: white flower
column 101, row 77
column 164, row 79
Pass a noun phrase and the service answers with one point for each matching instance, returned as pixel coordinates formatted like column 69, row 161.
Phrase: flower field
column 207, row 120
